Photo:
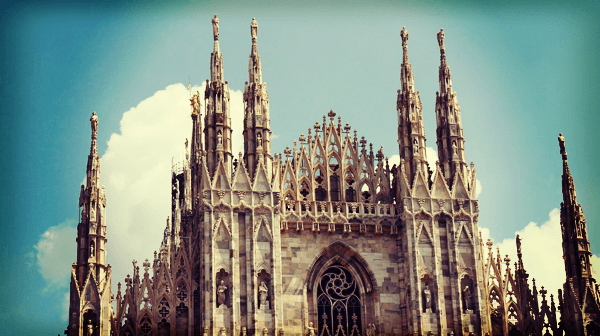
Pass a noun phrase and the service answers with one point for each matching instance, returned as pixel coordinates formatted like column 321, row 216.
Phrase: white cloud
column 542, row 252
column 54, row 254
column 136, row 170
column 65, row 307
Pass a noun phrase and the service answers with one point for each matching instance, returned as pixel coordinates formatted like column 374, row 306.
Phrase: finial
column 331, row 115
column 253, row 29
column 440, row 37
column 561, row 143
column 215, row 23
column 404, row 35
column 94, row 122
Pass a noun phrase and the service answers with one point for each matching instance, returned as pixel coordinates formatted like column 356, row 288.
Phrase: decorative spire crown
column 253, row 29
column 215, row 23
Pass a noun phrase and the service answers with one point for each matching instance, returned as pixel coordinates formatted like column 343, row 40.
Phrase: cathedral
column 326, row 239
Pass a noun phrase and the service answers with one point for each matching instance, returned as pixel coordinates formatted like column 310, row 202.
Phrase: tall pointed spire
column 217, row 130
column 450, row 140
column 91, row 271
column 257, row 123
column 580, row 289
column 576, row 245
column 411, row 130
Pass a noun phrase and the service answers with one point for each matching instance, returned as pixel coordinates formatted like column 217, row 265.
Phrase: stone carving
column 94, row 122
column 440, row 37
column 262, row 294
column 311, row 330
column 468, row 298
column 253, row 29
column 416, row 147
column 244, row 332
column 371, row 330
column 427, row 294
column 221, row 294
column 90, row 328
column 215, row 24
column 265, row 331
column 220, row 138
column 223, row 333
column 259, row 140
column 561, row 143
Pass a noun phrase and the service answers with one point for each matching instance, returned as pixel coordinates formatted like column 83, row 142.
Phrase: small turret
column 450, row 140
column 411, row 130
column 217, row 130
column 257, row 123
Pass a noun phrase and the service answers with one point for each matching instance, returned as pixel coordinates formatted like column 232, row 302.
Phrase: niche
column 264, row 290
column 223, row 289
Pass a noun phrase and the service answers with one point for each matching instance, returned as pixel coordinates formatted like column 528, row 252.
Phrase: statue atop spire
column 253, row 29
column 215, row 23
column 561, row 143
column 404, row 36
column 94, row 122
column 440, row 38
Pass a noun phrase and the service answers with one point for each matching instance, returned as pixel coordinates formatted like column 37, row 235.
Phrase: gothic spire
column 450, row 140
column 411, row 130
column 217, row 130
column 576, row 245
column 257, row 124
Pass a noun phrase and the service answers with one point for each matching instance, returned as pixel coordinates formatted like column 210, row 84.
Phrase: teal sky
column 523, row 72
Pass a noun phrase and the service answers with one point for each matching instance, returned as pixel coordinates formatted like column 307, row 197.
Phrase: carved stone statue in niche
column 90, row 328
column 221, row 293
column 454, row 147
column 92, row 249
column 223, row 333
column 262, row 295
column 259, row 140
column 219, row 138
column 427, row 295
column 311, row 330
column 415, row 147
column 244, row 332
column 468, row 298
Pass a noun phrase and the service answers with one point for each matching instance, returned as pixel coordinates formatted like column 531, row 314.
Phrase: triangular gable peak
column 290, row 183
column 146, row 294
column 350, row 155
column 365, row 167
column 459, row 188
column 90, row 292
column 205, row 178
column 424, row 233
column 420, row 188
column 221, row 230
column 262, row 230
column 221, row 178
column 164, row 279
column 405, row 189
column 74, row 283
column 463, row 236
column 439, row 188
column 303, row 164
column 317, row 153
column 333, row 141
column 241, row 180
column 261, row 182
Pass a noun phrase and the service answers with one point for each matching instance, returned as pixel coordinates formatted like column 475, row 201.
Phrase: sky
column 523, row 72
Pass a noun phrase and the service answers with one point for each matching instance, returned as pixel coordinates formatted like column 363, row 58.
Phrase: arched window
column 334, row 185
column 338, row 301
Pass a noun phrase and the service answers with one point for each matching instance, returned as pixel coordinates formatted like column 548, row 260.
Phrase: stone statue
column 205, row 331
column 92, row 249
column 427, row 293
column 265, row 331
column 454, row 148
column 263, row 290
column 244, row 332
column 468, row 298
column 404, row 35
column 94, row 122
column 215, row 23
column 371, row 331
column 415, row 147
column 90, row 328
column 259, row 140
column 561, row 143
column 311, row 330
column 223, row 333
column 440, row 37
column 219, row 138
column 253, row 28
column 221, row 293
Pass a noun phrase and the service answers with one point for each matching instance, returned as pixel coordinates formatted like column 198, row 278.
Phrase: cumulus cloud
column 541, row 246
column 54, row 254
column 136, row 170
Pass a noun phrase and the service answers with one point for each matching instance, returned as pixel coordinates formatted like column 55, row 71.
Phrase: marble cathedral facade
column 324, row 240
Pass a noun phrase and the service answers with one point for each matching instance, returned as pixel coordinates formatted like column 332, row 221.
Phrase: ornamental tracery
column 338, row 301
